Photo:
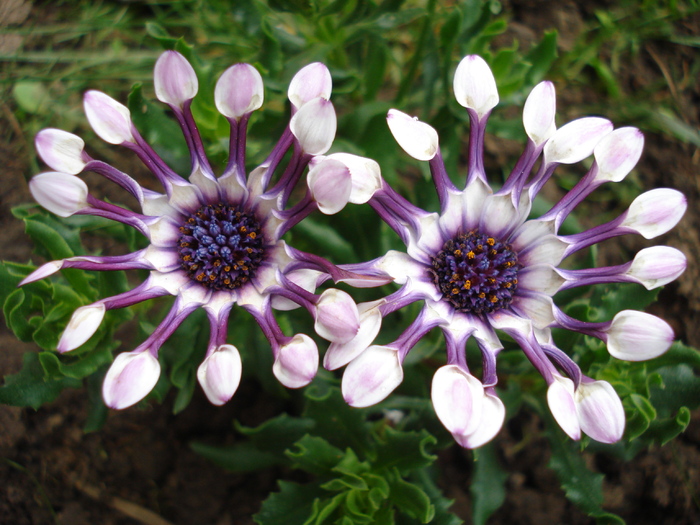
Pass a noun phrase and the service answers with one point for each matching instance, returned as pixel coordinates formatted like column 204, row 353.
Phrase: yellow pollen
column 187, row 258
column 455, row 291
column 507, row 285
column 470, row 254
column 212, row 277
column 493, row 299
column 227, row 268
column 482, row 295
column 249, row 250
column 493, row 252
column 242, row 229
column 457, row 253
column 467, row 285
column 490, row 241
column 217, row 263
column 252, row 235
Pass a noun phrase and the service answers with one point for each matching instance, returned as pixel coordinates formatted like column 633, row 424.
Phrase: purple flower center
column 476, row 273
column 221, row 246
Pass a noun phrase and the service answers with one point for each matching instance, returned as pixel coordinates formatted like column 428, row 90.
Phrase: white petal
column 220, row 374
column 82, row 325
column 499, row 215
column 110, row 119
column 174, row 79
column 560, row 397
column 537, row 307
column 372, row 376
column 600, row 411
column 538, row 112
column 337, row 318
column 340, row 354
column 314, row 126
column 366, row 176
column 310, row 82
column 638, row 336
column 575, row 141
column 330, row 184
column 655, row 212
column 540, row 278
column 657, row 266
column 400, row 266
column 60, row 193
column 60, row 150
column 473, row 199
column 474, row 85
column 617, row 153
column 297, row 362
column 493, row 416
column 417, row 138
column 42, row 272
column 457, row 399
column 130, row 378
column 304, row 278
column 239, row 91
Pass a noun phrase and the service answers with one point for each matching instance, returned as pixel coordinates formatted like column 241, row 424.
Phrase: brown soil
column 139, row 468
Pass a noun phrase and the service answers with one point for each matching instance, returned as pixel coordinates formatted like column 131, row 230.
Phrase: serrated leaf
column 347, row 481
column 662, row 431
column 292, row 505
column 29, row 388
column 488, row 484
column 278, row 434
column 237, row 458
column 410, row 499
column 404, row 450
column 315, row 455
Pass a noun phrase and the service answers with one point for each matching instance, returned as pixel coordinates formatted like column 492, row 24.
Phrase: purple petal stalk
column 480, row 265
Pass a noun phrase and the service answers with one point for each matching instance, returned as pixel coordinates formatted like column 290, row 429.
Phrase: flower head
column 480, row 265
column 213, row 241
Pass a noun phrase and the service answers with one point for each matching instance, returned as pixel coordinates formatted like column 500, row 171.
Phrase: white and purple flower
column 481, row 265
column 213, row 241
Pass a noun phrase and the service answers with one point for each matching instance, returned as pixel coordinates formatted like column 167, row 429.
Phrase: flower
column 213, row 241
column 481, row 265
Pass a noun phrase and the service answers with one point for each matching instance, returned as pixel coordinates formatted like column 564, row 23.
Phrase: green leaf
column 29, row 387
column 292, row 505
column 278, row 434
column 317, row 234
column 410, row 499
column 404, row 451
column 488, row 484
column 237, row 458
column 314, row 455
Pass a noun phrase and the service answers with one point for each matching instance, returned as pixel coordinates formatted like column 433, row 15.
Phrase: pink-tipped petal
column 60, row 150
column 474, row 85
column 330, row 184
column 655, row 212
column 365, row 174
column 110, row 119
column 493, row 416
column 297, row 362
column 310, row 82
column 638, row 336
column 417, row 138
column 372, row 376
column 42, row 272
column 220, row 374
column 340, row 354
column 560, row 397
column 337, row 318
column 575, row 141
column 657, row 266
column 617, row 153
column 457, row 399
column 314, row 126
column 239, row 91
column 174, row 79
column 600, row 411
column 82, row 325
column 60, row 193
column 130, row 378
column 538, row 113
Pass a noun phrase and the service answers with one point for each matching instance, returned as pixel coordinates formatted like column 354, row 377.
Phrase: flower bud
column 417, row 138
column 600, row 411
column 560, row 397
column 330, row 184
column 538, row 112
column 655, row 212
column 60, row 193
column 638, row 336
column 310, row 82
column 60, row 150
column 340, row 354
column 337, row 318
column 372, row 376
column 174, row 79
column 575, row 141
column 239, row 91
column 110, row 119
column 130, row 378
column 617, row 153
column 314, row 126
column 657, row 266
column 82, row 325
column 474, row 85
column 220, row 374
column 296, row 362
